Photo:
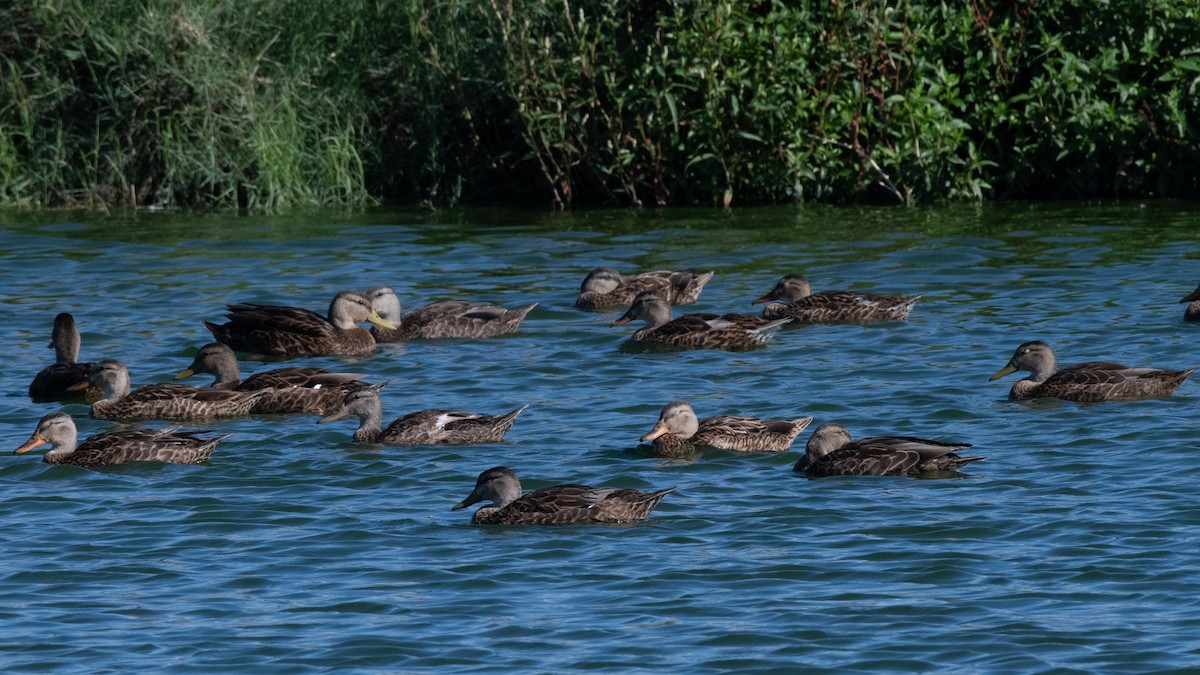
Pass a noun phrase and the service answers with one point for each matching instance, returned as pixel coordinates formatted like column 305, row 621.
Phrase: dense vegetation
column 282, row 103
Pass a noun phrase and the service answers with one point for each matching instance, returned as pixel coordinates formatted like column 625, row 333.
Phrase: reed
column 275, row 104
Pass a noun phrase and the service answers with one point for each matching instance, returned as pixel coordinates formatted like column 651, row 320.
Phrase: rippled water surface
column 294, row 549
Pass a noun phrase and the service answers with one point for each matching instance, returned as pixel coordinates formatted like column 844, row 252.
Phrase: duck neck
column 62, row 446
column 66, row 346
column 369, row 423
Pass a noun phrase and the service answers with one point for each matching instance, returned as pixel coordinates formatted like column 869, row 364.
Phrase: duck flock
column 291, row 332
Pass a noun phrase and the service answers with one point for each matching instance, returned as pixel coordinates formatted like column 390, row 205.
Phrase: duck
column 166, row 401
column 697, row 331
column 444, row 319
column 1090, row 382
column 793, row 297
column 54, row 382
column 289, row 390
column 831, row 452
column 1192, row 311
column 291, row 332
column 678, row 427
column 118, row 446
column 424, row 427
column 604, row 287
column 567, row 504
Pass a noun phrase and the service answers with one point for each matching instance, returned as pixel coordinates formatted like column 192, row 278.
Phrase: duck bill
column 34, row 441
column 80, row 386
column 658, row 430
column 374, row 318
column 186, row 373
column 765, row 298
column 1002, row 372
column 465, row 503
column 625, row 318
column 333, row 416
column 1190, row 297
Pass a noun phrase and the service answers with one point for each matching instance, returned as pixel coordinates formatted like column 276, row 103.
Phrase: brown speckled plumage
column 424, row 427
column 445, row 319
column 567, row 504
column 604, row 287
column 793, row 297
column 167, row 401
column 65, row 379
column 119, row 446
column 678, row 427
column 697, row 331
column 1089, row 382
column 831, row 452
column 288, row 390
column 294, row 332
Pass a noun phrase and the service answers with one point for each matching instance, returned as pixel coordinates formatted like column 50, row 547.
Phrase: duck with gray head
column 733, row 332
column 288, row 390
column 424, row 427
column 445, row 319
column 793, row 297
column 117, row 447
column 274, row 330
column 166, row 401
column 831, row 452
column 66, row 379
column 604, row 287
column 679, row 427
column 1089, row 382
column 567, row 504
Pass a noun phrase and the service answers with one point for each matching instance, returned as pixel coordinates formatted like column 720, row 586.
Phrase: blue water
column 1073, row 546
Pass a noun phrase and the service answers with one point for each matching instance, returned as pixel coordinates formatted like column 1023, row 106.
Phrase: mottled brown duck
column 1192, row 311
column 55, row 382
column 605, row 288
column 424, row 427
column 793, row 297
column 678, row 427
column 295, row 332
column 445, row 319
column 288, row 390
column 567, row 504
column 1089, row 382
column 831, row 452
column 697, row 331
column 119, row 446
column 167, row 401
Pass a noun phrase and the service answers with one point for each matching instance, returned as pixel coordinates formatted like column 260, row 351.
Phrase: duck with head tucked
column 567, row 504
column 604, row 287
column 288, row 390
column 793, row 297
column 1089, row 382
column 65, row 379
column 166, row 401
column 678, row 427
column 831, row 452
column 1192, row 311
column 292, row 332
column 424, row 427
column 445, row 319
column 696, row 331
column 118, row 446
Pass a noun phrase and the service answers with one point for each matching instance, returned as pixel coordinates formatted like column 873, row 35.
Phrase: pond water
column 1073, row 545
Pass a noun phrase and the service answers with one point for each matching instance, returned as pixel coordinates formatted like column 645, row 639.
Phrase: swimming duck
column 677, row 426
column 1192, row 311
column 604, row 287
column 831, row 452
column 53, row 382
column 168, row 401
column 445, row 319
column 1089, row 382
column 697, row 331
column 119, row 446
column 424, row 427
column 289, row 390
column 568, row 504
column 793, row 297
column 293, row 332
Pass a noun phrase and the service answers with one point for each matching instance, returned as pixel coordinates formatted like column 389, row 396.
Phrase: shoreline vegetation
column 283, row 104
